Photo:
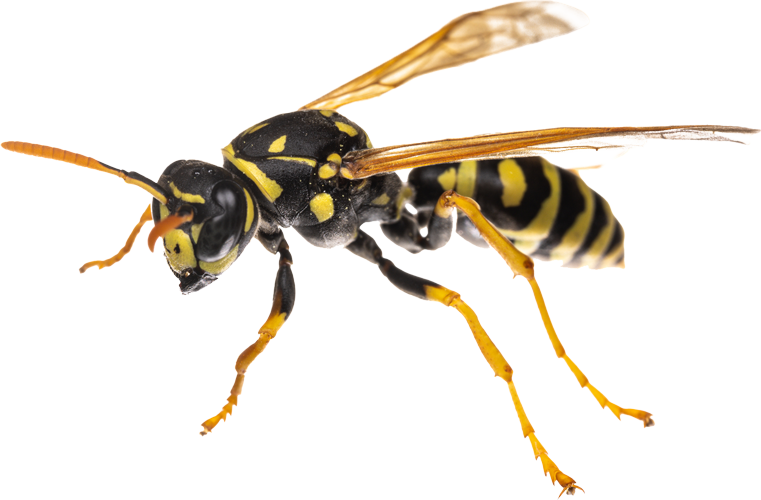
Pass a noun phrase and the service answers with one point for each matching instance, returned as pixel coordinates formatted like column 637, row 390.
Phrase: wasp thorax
column 223, row 220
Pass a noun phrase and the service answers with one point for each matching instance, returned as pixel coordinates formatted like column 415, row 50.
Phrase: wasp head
column 214, row 219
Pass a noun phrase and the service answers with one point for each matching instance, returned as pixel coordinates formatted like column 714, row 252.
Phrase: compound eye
column 221, row 233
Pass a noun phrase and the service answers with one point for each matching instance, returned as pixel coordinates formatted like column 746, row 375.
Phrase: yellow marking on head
column 346, row 128
column 541, row 224
column 327, row 171
column 250, row 211
column 195, row 230
column 269, row 188
column 159, row 196
column 466, row 178
column 308, row 161
column 278, row 145
column 322, row 206
column 574, row 236
column 163, row 212
column 367, row 141
column 326, row 113
column 221, row 265
column 190, row 198
column 513, row 183
column 253, row 129
column 335, row 158
column 179, row 250
column 381, row 200
column 447, row 179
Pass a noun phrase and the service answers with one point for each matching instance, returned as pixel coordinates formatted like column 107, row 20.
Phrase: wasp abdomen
column 548, row 212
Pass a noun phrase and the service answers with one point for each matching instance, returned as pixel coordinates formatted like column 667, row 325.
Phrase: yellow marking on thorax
column 448, row 179
column 326, row 113
column 322, row 206
column 327, row 171
column 381, row 200
column 574, row 237
column 195, row 231
column 269, row 188
column 278, row 145
column 466, row 178
column 308, row 161
column 335, row 158
column 594, row 254
column 513, row 183
column 253, row 129
column 250, row 211
column 190, row 198
column 367, row 141
column 539, row 228
column 221, row 265
column 346, row 128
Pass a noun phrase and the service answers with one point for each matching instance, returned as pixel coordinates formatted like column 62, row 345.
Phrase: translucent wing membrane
column 465, row 39
column 369, row 162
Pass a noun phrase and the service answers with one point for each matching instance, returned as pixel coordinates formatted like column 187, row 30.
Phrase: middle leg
column 365, row 247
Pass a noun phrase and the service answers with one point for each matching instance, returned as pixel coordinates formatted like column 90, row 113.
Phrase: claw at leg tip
column 205, row 431
column 571, row 490
column 649, row 422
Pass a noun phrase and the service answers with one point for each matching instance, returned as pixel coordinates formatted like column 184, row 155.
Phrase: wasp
column 333, row 167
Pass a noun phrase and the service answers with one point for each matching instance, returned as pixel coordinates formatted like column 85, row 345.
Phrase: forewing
column 465, row 39
column 369, row 162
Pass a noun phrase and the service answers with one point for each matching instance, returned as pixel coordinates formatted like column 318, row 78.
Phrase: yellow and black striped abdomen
column 548, row 212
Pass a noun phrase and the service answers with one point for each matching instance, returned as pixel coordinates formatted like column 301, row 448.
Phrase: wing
column 369, row 162
column 465, row 39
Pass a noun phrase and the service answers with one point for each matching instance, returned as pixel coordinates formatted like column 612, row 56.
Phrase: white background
column 366, row 392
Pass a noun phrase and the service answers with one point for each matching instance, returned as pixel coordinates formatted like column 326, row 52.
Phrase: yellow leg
column 285, row 293
column 365, row 247
column 125, row 250
column 522, row 265
column 503, row 370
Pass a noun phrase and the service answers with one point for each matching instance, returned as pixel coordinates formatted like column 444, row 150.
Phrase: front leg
column 282, row 305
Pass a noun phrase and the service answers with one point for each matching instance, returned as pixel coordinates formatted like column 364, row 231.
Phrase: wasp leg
column 405, row 232
column 365, row 247
column 522, row 265
column 282, row 305
column 125, row 250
